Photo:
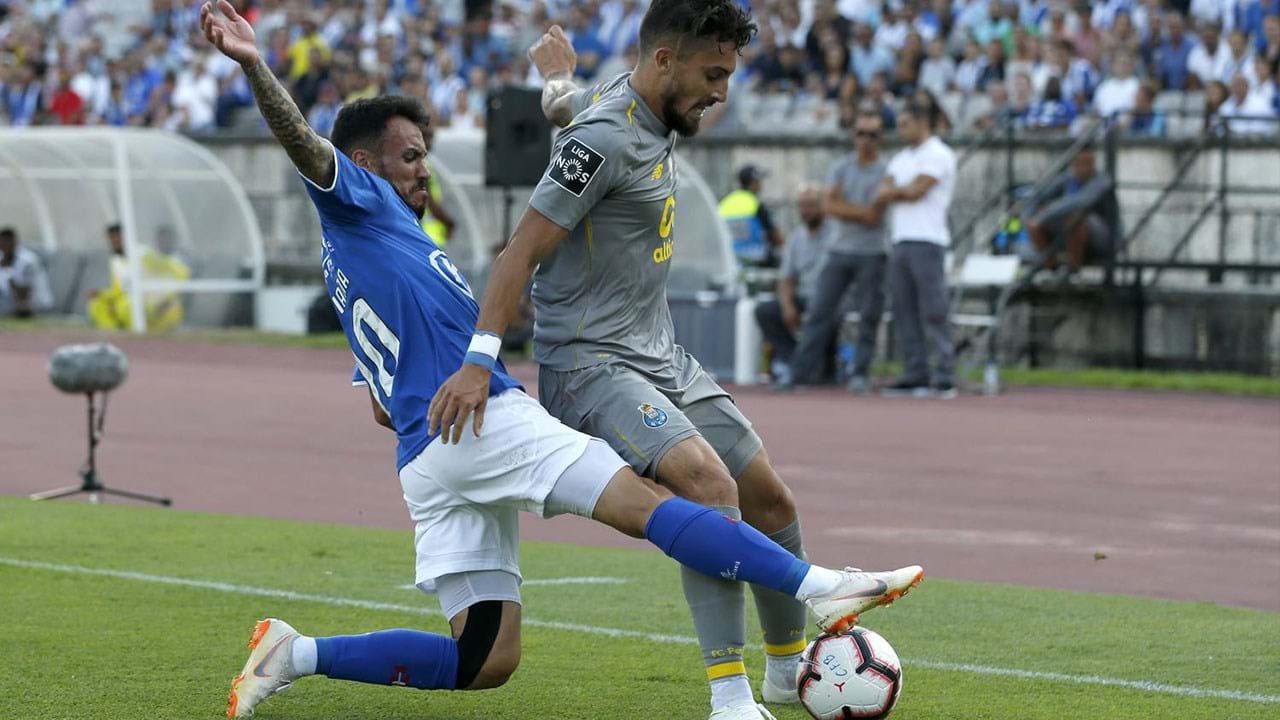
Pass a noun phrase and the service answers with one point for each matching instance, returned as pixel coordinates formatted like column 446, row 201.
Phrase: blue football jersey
column 408, row 313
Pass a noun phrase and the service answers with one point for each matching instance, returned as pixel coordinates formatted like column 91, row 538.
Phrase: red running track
column 1181, row 493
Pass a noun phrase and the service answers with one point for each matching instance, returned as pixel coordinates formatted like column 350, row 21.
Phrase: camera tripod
column 89, row 473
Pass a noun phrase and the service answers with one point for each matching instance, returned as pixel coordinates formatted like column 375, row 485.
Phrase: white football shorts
column 464, row 499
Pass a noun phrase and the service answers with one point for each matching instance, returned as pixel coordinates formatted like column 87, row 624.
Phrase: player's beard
column 674, row 119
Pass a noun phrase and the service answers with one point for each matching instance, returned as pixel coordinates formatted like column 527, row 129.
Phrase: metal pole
column 1224, row 216
column 129, row 227
column 1139, row 320
column 1008, row 165
column 1112, row 172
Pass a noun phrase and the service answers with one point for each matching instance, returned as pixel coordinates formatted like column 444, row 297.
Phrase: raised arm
column 555, row 59
column 311, row 154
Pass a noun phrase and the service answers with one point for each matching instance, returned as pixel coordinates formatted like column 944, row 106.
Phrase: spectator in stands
column 856, row 257
column 837, row 82
column 877, row 98
column 1208, row 61
column 1240, row 60
column 972, row 68
column 1247, row 113
column 301, row 51
column 1117, row 93
column 756, row 239
column 1122, row 37
column 22, row 97
column 802, row 262
column 942, row 122
column 24, row 285
column 1021, row 100
column 1270, row 42
column 1053, row 112
column 938, row 71
column 66, row 105
column 325, row 109
column 1144, row 120
column 1086, row 39
column 993, row 71
column 917, row 190
column 196, row 94
column 906, row 75
column 1171, row 60
column 867, row 58
column 1265, row 83
column 1215, row 94
column 1076, row 214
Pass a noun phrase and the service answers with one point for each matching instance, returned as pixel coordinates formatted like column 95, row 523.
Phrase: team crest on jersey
column 653, row 417
column 575, row 166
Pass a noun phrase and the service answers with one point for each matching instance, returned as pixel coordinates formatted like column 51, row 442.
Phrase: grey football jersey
column 601, row 296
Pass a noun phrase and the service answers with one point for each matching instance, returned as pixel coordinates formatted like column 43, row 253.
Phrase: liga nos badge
column 575, row 166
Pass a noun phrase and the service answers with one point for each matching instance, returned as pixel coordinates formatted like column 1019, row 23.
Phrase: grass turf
column 82, row 645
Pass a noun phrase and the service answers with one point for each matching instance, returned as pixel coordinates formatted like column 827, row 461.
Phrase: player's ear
column 664, row 58
column 362, row 158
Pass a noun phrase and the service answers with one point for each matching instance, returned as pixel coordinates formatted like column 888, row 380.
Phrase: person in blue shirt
column 410, row 320
column 1173, row 52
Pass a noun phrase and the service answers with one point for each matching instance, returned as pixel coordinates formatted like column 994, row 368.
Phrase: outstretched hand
column 465, row 391
column 230, row 33
column 553, row 53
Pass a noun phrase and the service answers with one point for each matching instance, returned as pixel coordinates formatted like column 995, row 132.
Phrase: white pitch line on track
column 1141, row 685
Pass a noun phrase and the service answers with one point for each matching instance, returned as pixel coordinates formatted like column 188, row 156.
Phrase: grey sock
column 719, row 616
column 782, row 617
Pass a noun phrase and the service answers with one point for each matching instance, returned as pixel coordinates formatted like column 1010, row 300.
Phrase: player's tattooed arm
column 310, row 153
column 555, row 60
column 234, row 37
column 557, row 99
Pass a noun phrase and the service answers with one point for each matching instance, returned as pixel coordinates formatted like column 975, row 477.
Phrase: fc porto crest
column 653, row 417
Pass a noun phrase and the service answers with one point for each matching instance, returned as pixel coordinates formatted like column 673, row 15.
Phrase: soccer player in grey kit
column 600, row 231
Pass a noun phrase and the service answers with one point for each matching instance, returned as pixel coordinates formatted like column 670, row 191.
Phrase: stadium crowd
column 1042, row 64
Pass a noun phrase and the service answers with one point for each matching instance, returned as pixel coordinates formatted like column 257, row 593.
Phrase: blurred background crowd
column 1042, row 65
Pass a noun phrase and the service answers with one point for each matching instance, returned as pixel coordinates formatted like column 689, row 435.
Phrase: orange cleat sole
column 845, row 623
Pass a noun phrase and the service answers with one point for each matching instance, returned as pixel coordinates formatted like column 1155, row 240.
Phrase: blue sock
column 713, row 544
column 390, row 657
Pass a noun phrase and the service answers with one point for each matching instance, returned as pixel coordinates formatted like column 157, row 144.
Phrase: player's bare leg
column 504, row 657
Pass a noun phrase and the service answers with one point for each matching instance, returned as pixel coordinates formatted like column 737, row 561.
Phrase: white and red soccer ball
column 848, row 675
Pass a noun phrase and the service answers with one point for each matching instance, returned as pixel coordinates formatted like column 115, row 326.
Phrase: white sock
column 304, row 655
column 780, row 670
column 818, row 581
column 732, row 690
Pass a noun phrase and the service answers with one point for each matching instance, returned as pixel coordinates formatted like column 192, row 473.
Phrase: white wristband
column 485, row 343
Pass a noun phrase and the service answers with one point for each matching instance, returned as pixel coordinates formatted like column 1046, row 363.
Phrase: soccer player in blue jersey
column 410, row 319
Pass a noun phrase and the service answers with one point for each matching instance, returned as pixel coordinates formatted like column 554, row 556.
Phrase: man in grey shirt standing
column 802, row 259
column 600, row 229
column 857, row 254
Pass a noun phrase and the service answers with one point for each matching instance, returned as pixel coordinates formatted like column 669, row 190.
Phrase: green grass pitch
column 144, row 613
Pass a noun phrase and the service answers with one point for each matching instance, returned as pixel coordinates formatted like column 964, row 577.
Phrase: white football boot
column 268, row 670
column 860, row 591
column 742, row 711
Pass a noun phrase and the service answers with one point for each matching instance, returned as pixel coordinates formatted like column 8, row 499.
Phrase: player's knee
column 709, row 483
column 498, row 669
column 487, row 657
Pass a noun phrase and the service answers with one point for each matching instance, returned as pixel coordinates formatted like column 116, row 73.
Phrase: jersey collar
column 640, row 114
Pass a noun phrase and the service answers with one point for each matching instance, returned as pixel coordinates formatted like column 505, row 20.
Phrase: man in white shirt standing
column 24, row 286
column 917, row 190
column 1209, row 60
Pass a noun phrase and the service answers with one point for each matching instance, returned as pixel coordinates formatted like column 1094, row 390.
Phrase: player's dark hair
column 678, row 21
column 360, row 124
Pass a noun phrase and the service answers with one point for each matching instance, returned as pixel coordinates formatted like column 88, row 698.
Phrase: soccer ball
column 851, row 674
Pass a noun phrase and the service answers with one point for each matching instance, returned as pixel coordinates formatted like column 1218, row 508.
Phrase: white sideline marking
column 554, row 581
column 1142, row 685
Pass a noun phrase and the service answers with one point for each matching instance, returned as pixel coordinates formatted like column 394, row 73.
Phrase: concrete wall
column 1189, row 323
